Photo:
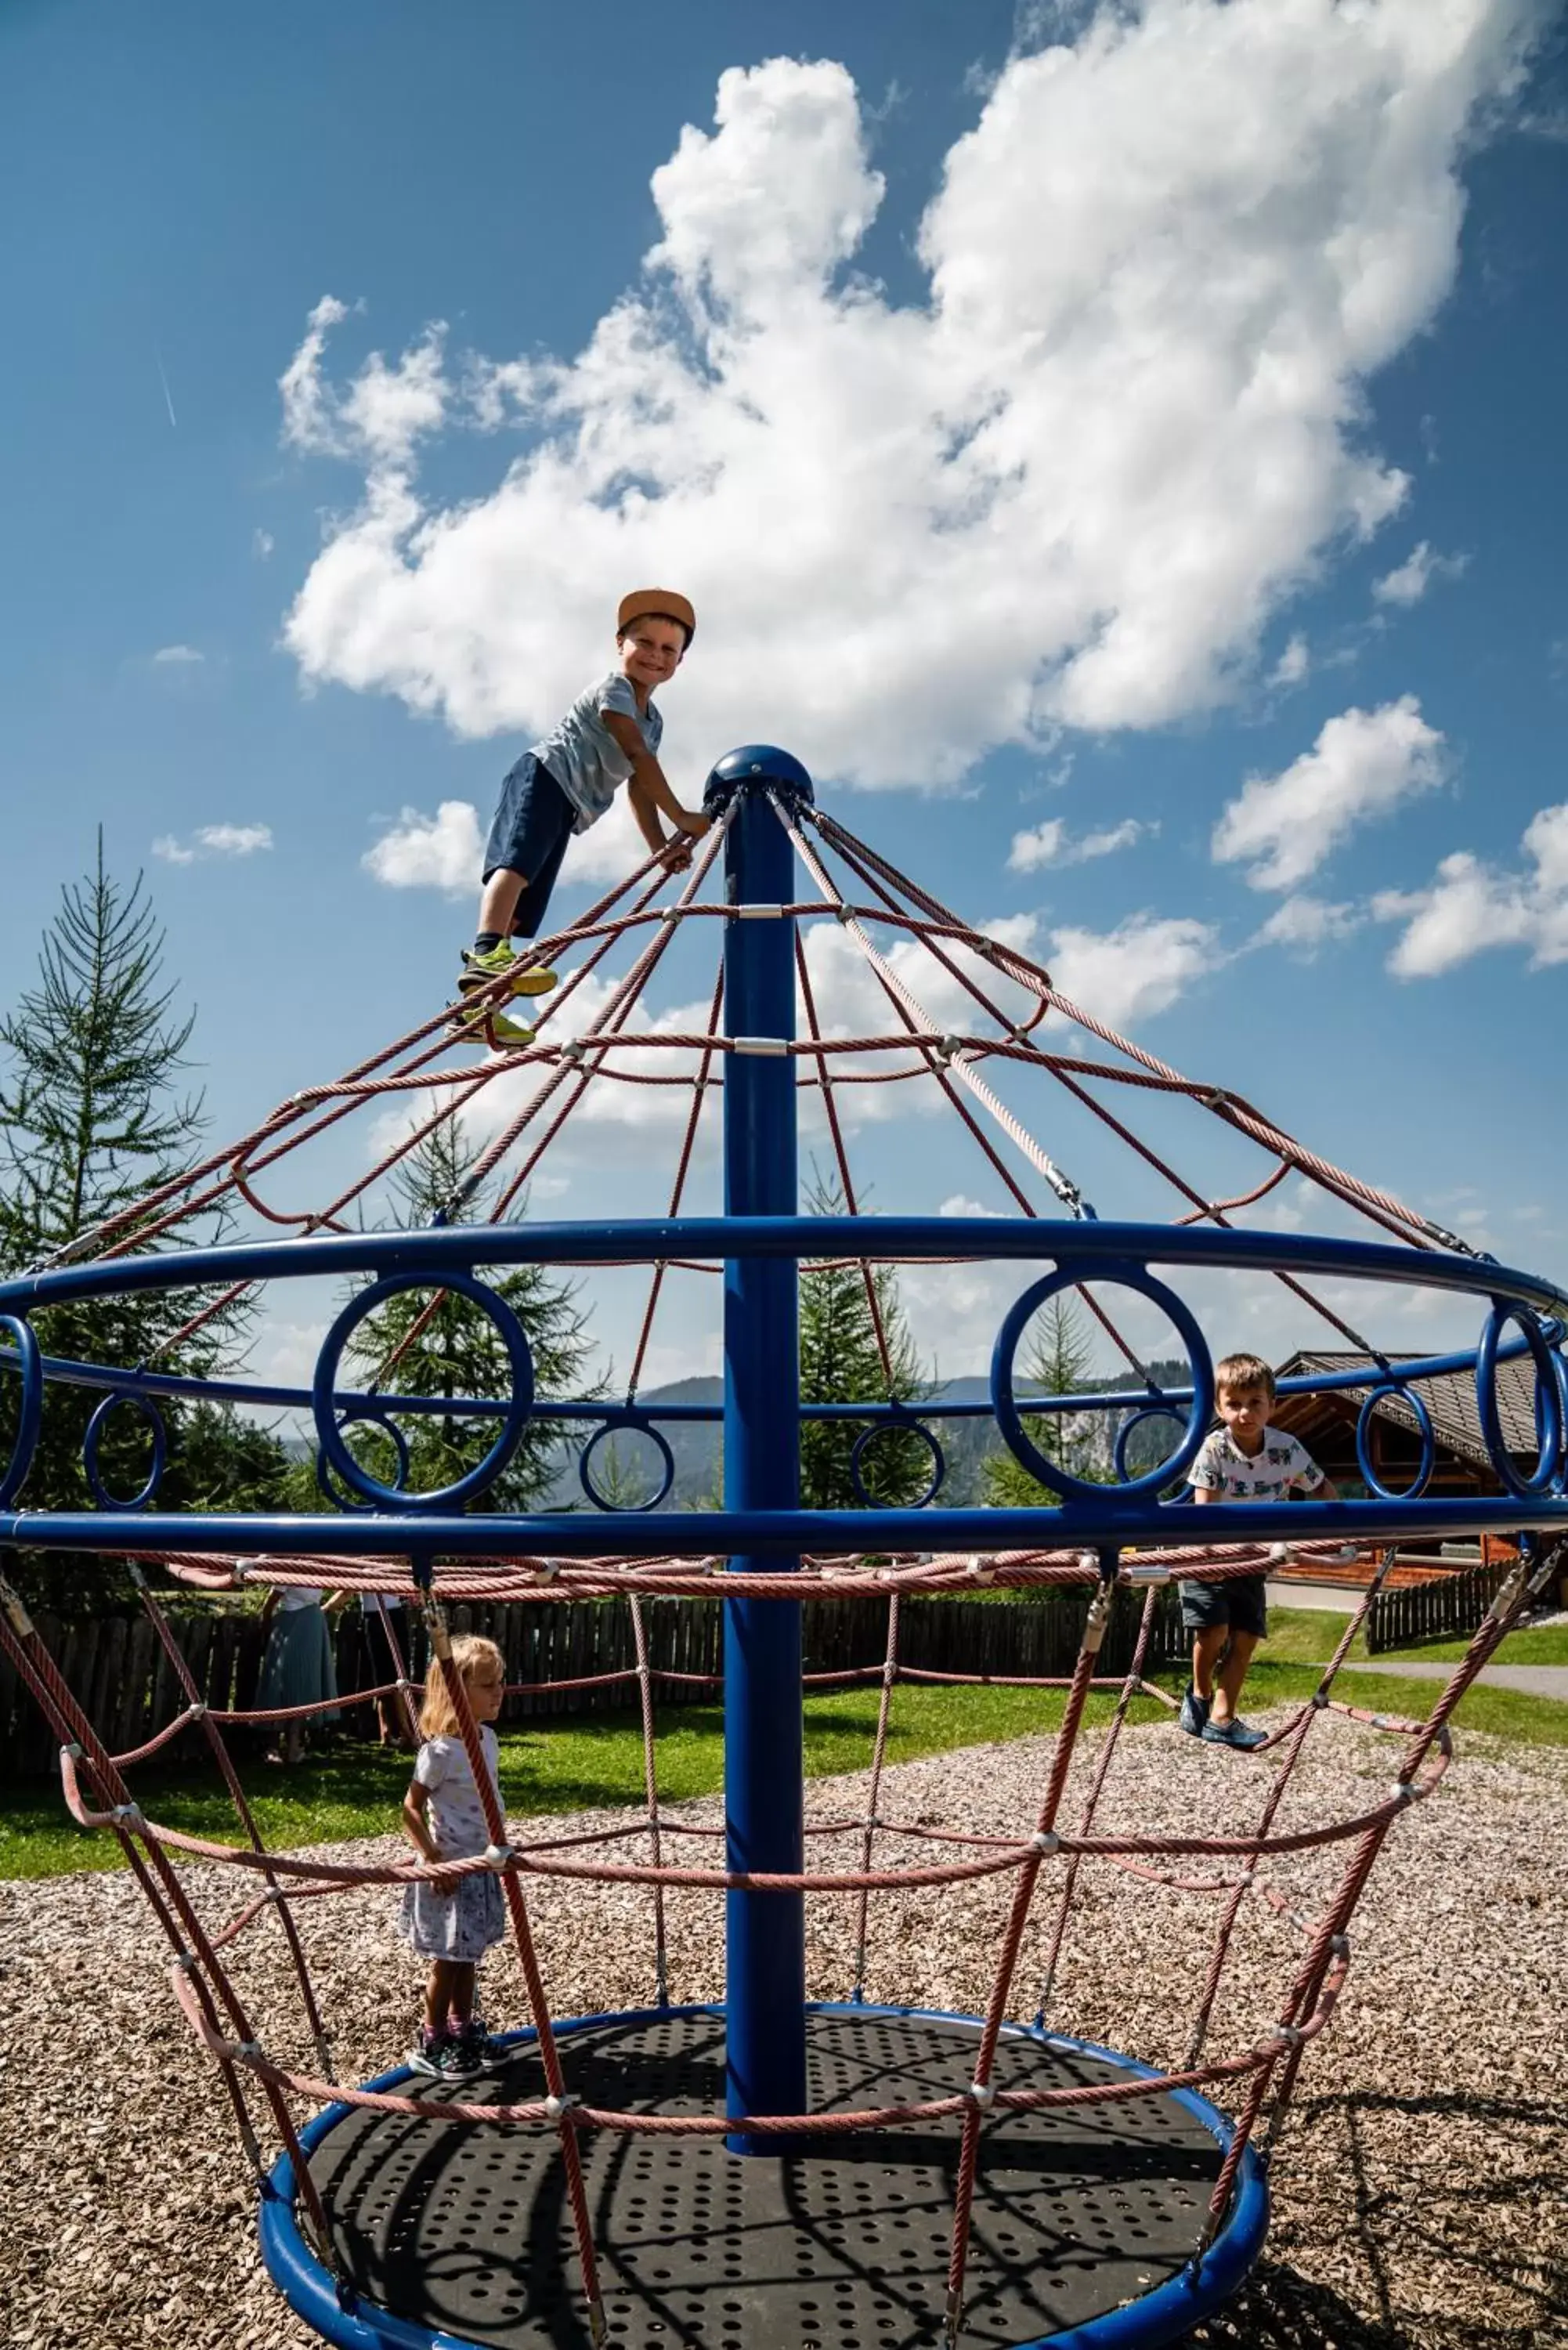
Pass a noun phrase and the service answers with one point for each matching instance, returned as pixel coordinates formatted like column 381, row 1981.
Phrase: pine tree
column 841, row 1362
column 1059, row 1359
column 439, row 1343
column 92, row 1117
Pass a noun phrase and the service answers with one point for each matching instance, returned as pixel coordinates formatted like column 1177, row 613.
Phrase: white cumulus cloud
column 1470, row 905
column 177, row 657
column 214, row 840
column 1052, row 843
column 430, row 852
column 1363, row 763
column 1136, row 970
column 1409, row 581
column 1070, row 484
column 1303, row 924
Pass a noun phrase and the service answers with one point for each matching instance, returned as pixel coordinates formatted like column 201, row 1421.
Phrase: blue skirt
column 297, row 1669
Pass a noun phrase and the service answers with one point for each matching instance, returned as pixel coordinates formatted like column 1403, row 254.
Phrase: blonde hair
column 437, row 1714
column 1244, row 1371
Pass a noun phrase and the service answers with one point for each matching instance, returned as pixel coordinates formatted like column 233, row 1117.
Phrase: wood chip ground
column 1421, row 2190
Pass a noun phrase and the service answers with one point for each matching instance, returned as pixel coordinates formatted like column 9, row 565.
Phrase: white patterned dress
column 460, row 1926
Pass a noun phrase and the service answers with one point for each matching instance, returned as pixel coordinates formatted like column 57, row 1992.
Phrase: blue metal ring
column 1135, row 1419
column 323, row 1400
column 880, row 1427
column 1123, row 1275
column 390, row 1429
column 1549, row 1413
column 153, row 1419
column 639, row 1427
column 30, row 1413
column 1428, row 1462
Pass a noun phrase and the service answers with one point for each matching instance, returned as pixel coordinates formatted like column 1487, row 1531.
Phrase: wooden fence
column 1450, row 1607
column 117, row 1667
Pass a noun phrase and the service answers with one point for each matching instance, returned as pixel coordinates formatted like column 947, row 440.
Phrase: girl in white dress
column 452, row 1926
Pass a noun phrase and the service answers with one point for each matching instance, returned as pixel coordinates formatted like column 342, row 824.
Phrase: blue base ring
column 1161, row 2317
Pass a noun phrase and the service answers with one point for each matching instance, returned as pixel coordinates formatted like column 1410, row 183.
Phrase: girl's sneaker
column 460, row 2059
column 476, row 2041
column 427, row 2054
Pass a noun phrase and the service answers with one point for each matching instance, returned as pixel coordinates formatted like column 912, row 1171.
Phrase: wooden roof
column 1451, row 1398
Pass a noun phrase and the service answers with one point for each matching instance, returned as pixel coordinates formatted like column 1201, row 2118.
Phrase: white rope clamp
column 1046, row 1840
column 573, row 1049
column 128, row 1814
column 778, row 1045
column 946, row 1048
column 1287, row 2035
column 499, row 1857
column 981, row 2093
column 1403, row 1792
column 759, row 913
column 556, row 2106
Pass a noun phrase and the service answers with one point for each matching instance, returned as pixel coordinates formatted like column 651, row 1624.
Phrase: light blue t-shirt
column 582, row 754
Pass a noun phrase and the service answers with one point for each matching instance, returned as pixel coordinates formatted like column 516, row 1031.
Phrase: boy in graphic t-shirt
column 610, row 736
column 1242, row 1460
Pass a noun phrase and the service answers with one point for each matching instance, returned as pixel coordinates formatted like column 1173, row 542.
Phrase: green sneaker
column 486, row 1028
column 524, row 978
column 493, row 964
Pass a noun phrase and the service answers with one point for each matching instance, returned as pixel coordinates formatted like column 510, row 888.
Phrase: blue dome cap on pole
column 757, row 764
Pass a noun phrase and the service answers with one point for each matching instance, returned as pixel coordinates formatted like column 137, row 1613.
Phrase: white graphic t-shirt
column 454, row 1817
column 1280, row 1465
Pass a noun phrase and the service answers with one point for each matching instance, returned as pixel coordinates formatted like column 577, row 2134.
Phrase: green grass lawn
column 355, row 1790
column 1308, row 1635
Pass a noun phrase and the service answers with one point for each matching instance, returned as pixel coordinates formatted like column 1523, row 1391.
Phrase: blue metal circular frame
column 1549, row 1410
column 153, row 1421
column 323, row 1402
column 1123, row 1275
column 1429, row 1461
column 1166, row 2315
column 389, row 1427
column 30, row 1414
column 884, row 1428
column 639, row 1427
column 1135, row 1419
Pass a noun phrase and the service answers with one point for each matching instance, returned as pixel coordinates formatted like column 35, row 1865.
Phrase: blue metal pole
column 764, row 1761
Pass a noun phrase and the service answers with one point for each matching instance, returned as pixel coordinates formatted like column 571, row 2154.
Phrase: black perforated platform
column 844, row 2248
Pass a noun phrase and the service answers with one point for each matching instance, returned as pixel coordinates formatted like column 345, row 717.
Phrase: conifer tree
column 93, row 1115
column 439, row 1343
column 840, row 1362
column 1060, row 1358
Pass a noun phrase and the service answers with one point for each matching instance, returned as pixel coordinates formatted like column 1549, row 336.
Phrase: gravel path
column 1419, row 2191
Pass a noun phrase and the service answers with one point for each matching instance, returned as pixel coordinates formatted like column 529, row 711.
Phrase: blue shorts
column 533, row 823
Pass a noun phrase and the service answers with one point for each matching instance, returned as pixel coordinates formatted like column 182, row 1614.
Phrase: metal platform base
column 1085, row 2219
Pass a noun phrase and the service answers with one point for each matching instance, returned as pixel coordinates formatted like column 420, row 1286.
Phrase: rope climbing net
column 961, row 1016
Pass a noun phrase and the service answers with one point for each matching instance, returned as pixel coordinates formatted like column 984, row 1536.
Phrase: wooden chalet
column 1325, row 1424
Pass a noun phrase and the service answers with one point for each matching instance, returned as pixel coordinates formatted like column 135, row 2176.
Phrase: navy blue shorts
column 533, row 825
column 1243, row 1602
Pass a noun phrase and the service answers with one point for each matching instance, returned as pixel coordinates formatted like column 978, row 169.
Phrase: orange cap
column 643, row 601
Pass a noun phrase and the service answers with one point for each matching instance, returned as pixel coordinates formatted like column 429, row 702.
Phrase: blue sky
column 1125, row 461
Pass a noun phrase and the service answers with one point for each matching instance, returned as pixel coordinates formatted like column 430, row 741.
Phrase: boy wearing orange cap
column 610, row 736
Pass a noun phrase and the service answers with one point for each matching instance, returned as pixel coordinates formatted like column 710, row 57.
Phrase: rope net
column 969, row 1020
column 1043, row 1858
